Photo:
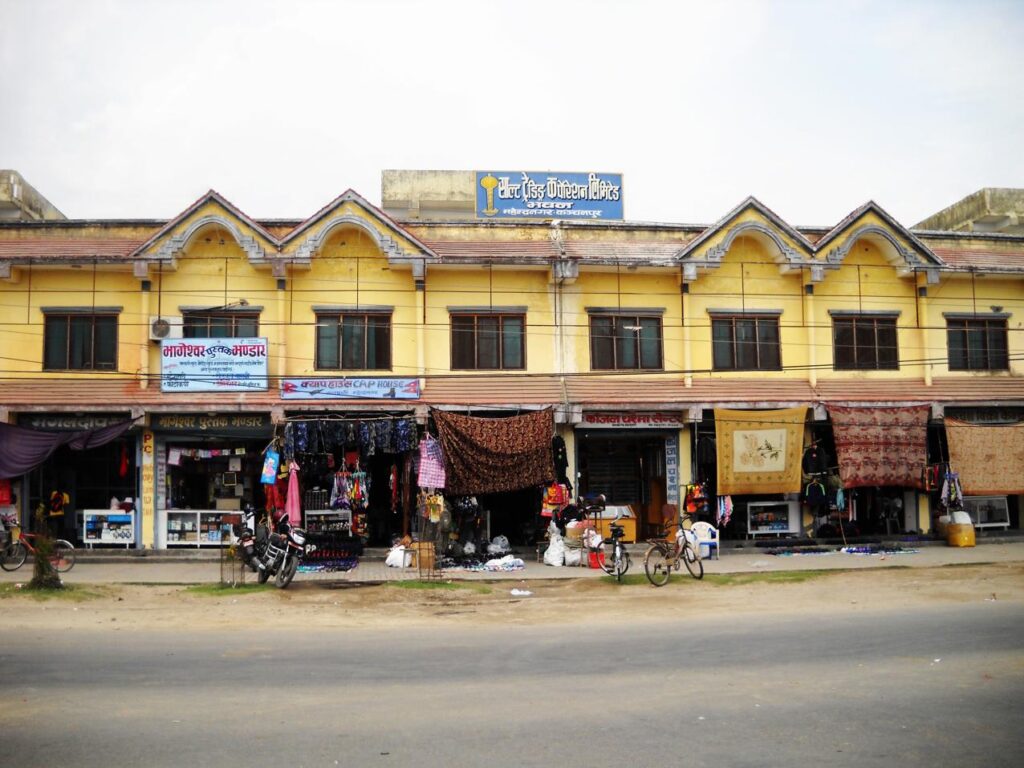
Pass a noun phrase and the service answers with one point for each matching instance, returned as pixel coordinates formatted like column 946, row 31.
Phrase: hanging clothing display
column 989, row 459
column 431, row 473
column 759, row 451
column 879, row 446
column 724, row 516
column 293, row 503
column 495, row 455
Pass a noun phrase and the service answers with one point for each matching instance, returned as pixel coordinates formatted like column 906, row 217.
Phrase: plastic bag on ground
column 555, row 553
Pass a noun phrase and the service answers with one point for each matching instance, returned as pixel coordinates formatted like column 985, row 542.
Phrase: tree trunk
column 44, row 575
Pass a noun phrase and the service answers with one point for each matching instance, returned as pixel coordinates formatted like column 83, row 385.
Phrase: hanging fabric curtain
column 989, row 459
column 496, row 455
column 880, row 445
column 759, row 451
column 23, row 449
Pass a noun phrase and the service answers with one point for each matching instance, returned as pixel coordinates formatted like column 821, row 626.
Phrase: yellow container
column 960, row 535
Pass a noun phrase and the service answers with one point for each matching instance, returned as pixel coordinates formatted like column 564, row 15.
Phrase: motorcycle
column 252, row 537
column 280, row 559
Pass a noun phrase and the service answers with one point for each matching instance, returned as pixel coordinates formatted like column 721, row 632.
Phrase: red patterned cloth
column 496, row 455
column 880, row 446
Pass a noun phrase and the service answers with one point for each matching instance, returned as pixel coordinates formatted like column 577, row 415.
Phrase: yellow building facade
column 632, row 333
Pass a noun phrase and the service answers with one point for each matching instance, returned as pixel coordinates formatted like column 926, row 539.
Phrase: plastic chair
column 707, row 536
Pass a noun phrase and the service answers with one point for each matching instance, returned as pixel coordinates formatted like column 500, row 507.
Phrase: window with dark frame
column 80, row 342
column 488, row 341
column 745, row 343
column 221, row 325
column 353, row 341
column 977, row 344
column 865, row 343
column 625, row 342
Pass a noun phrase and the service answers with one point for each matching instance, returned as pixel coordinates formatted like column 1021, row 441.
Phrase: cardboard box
column 423, row 556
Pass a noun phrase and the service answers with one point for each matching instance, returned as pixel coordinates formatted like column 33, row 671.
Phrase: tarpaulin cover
column 23, row 449
column 880, row 445
column 989, row 459
column 495, row 455
column 759, row 451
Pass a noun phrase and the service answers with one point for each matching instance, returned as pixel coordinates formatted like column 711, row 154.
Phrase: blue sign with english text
column 547, row 195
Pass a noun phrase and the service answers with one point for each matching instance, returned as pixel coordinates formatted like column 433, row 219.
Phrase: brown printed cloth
column 759, row 451
column 496, row 455
column 880, row 446
column 989, row 459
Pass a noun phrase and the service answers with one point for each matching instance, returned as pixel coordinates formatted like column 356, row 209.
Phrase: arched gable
column 751, row 218
column 869, row 222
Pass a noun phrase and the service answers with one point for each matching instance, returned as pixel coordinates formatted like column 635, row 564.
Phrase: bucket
column 960, row 535
column 596, row 559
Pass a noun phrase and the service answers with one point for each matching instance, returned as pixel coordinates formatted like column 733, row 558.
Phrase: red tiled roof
column 958, row 257
column 475, row 250
column 94, row 394
column 492, row 390
column 42, row 247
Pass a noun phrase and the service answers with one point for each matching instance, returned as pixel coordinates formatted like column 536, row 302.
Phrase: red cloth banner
column 880, row 446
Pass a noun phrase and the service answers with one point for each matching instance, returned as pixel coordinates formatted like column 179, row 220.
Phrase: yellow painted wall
column 748, row 278
column 214, row 270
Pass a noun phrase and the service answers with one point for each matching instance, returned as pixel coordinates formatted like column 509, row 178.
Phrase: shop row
column 357, row 480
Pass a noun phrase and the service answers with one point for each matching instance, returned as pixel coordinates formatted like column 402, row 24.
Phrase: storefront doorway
column 629, row 468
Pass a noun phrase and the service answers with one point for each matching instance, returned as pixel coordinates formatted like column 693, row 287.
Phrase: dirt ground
column 137, row 608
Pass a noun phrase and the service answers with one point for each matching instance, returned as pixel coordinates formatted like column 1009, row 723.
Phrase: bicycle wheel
column 657, row 565
column 63, row 556
column 608, row 562
column 622, row 564
column 13, row 556
column 693, row 562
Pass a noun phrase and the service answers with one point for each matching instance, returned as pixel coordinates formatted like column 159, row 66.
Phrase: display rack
column 107, row 526
column 196, row 528
column 328, row 520
column 778, row 518
column 988, row 511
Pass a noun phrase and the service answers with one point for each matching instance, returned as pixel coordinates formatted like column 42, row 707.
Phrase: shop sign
column 547, row 195
column 348, row 388
column 672, row 469
column 612, row 420
column 213, row 365
column 69, row 422
column 220, row 424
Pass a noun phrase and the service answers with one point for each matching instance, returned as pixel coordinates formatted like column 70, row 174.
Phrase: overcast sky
column 117, row 108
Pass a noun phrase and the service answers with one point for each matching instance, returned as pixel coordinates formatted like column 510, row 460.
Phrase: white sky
column 116, row 108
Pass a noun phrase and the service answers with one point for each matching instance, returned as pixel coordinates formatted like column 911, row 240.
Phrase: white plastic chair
column 707, row 536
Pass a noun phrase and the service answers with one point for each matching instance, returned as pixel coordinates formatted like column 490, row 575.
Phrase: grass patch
column 768, row 577
column 450, row 586
column 73, row 593
column 220, row 590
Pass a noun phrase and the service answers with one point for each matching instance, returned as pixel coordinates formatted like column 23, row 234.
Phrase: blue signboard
column 358, row 388
column 547, row 195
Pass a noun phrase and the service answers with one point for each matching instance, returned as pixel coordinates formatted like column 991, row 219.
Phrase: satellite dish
column 160, row 328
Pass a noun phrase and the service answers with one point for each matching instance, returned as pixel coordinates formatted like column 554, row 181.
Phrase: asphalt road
column 937, row 685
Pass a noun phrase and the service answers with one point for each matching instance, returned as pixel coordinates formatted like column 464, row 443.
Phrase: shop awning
column 989, row 459
column 759, row 451
column 22, row 449
column 496, row 455
column 880, row 446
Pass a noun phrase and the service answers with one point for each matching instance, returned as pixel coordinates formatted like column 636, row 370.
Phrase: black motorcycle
column 280, row 558
column 250, row 544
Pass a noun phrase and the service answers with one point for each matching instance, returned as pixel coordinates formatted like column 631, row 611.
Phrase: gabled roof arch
column 872, row 223
column 792, row 249
column 395, row 242
column 164, row 246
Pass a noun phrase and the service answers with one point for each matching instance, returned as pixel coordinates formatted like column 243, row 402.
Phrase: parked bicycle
column 665, row 555
column 616, row 563
column 19, row 546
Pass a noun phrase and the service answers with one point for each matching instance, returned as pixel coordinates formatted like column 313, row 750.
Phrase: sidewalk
column 205, row 567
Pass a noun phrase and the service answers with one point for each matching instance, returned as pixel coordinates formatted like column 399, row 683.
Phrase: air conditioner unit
column 165, row 327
